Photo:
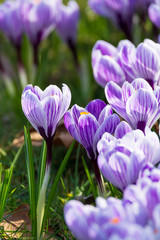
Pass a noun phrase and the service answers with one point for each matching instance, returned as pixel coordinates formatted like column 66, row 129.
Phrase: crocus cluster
column 136, row 216
column 126, row 62
column 37, row 18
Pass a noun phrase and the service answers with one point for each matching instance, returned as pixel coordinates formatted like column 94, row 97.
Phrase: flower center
column 115, row 220
column 84, row 113
column 36, row 1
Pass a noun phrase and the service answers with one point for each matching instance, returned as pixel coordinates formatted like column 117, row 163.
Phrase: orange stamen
column 115, row 220
column 84, row 113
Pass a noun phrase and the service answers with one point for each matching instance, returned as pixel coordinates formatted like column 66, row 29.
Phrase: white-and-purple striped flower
column 68, row 20
column 88, row 124
column 142, row 62
column 44, row 109
column 110, row 220
column 136, row 102
column 39, row 17
column 10, row 21
column 120, row 160
column 106, row 63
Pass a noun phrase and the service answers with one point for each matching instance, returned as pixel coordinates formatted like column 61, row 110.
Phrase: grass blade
column 56, row 182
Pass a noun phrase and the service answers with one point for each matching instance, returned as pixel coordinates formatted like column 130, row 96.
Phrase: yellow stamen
column 115, row 220
column 84, row 113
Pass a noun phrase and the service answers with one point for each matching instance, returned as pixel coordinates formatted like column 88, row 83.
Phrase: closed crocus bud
column 10, row 21
column 68, row 20
column 39, row 17
column 44, row 109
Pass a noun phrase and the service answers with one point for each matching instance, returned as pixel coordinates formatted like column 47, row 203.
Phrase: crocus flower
column 44, row 109
column 67, row 26
column 120, row 160
column 154, row 13
column 136, row 102
column 106, row 63
column 120, row 12
column 39, row 17
column 68, row 20
column 10, row 21
column 87, row 126
column 108, row 220
column 143, row 61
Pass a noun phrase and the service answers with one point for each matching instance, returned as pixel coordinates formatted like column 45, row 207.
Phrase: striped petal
column 141, row 108
column 95, row 107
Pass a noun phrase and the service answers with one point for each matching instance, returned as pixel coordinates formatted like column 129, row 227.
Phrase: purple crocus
column 142, row 62
column 118, row 11
column 154, row 13
column 44, row 109
column 120, row 160
column 136, row 102
column 106, row 63
column 39, row 17
column 88, row 124
column 67, row 26
column 108, row 220
column 10, row 21
column 68, row 20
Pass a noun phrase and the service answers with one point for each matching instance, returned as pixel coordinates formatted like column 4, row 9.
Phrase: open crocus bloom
column 44, row 109
column 87, row 125
column 143, row 61
column 120, row 160
column 110, row 219
column 136, row 102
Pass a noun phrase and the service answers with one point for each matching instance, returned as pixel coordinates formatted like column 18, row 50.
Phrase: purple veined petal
column 99, row 7
column 154, row 14
column 105, row 48
column 147, row 62
column 127, row 91
column 122, row 128
column 141, row 83
column 52, row 109
column 109, row 125
column 52, row 90
column 113, row 94
column 157, row 115
column 76, row 113
column 156, row 216
column 152, row 197
column 130, row 138
column 66, row 100
column 120, row 169
column 148, row 147
column 95, row 107
column 76, row 218
column 122, row 44
column 71, row 127
column 88, row 126
column 38, row 92
column 126, row 56
column 33, row 110
column 141, row 107
column 107, row 111
column 106, row 70
column 106, row 143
